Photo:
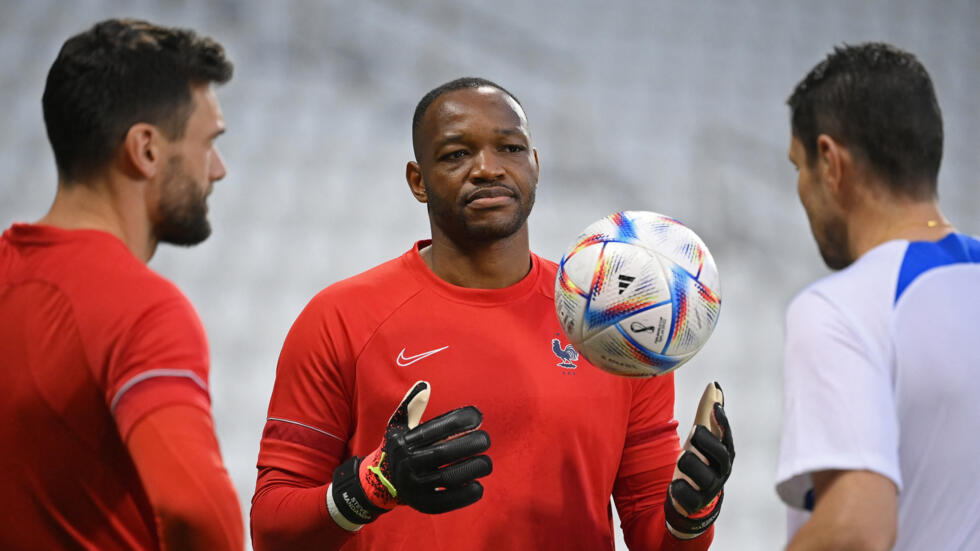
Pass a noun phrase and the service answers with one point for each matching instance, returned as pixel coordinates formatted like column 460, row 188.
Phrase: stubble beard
column 452, row 219
column 183, row 211
column 834, row 246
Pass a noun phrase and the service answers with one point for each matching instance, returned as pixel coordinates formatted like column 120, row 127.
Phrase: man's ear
column 836, row 165
column 537, row 167
column 141, row 150
column 413, row 175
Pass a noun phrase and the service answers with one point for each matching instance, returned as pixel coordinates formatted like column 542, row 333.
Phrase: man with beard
column 880, row 421
column 108, row 441
column 471, row 313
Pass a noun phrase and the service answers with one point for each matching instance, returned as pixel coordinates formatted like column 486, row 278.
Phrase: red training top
column 91, row 343
column 564, row 435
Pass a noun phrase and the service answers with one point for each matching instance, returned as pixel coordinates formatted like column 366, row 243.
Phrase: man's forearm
column 854, row 510
column 195, row 504
column 288, row 517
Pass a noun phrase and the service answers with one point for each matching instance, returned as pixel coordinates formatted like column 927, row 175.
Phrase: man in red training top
column 108, row 441
column 468, row 318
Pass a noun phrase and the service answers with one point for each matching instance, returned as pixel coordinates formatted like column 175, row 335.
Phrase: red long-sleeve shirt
column 107, row 440
column 564, row 438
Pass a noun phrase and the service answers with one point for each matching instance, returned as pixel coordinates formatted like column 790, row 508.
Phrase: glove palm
column 431, row 467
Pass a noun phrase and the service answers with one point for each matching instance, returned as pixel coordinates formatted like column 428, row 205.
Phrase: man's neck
column 881, row 221
column 103, row 205
column 493, row 265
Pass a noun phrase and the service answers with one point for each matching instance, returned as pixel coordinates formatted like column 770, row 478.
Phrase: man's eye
column 454, row 155
column 512, row 148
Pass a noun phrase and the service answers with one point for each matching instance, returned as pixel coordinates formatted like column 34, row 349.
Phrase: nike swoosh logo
column 404, row 360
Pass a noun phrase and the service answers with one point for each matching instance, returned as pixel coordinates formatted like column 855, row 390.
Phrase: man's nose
column 486, row 166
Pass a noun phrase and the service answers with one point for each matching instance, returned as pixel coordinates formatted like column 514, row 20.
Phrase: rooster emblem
column 567, row 355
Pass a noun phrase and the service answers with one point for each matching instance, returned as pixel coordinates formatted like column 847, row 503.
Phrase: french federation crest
column 567, row 355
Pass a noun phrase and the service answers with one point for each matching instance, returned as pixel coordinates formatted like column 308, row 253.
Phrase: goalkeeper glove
column 695, row 493
column 430, row 467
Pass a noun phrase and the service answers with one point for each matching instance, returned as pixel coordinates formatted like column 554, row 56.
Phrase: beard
column 833, row 244
column 452, row 219
column 182, row 213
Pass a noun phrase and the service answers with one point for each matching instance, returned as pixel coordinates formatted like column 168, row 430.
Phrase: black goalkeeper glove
column 695, row 494
column 430, row 467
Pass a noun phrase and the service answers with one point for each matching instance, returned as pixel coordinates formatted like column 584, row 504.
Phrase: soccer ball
column 637, row 294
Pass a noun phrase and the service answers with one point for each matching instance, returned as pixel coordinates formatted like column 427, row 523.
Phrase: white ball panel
column 579, row 265
column 650, row 328
column 628, row 279
column 608, row 350
column 695, row 314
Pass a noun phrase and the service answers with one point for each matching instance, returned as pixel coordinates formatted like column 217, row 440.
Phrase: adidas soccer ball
column 637, row 294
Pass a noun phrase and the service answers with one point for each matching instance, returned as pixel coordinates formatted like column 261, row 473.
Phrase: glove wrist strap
column 346, row 500
column 688, row 526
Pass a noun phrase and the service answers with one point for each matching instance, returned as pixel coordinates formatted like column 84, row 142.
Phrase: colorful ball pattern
column 638, row 294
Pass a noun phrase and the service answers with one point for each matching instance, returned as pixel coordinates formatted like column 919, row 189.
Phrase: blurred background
column 675, row 107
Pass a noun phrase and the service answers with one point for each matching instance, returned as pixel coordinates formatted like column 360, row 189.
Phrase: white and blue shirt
column 882, row 373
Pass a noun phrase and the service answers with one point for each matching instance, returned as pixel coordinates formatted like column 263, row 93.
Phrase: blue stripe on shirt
column 922, row 256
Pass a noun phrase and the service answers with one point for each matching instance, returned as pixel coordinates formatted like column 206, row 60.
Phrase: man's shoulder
column 124, row 280
column 94, row 268
column 108, row 295
column 923, row 257
column 385, row 282
column 363, row 301
column 547, row 266
column 867, row 283
column 395, row 281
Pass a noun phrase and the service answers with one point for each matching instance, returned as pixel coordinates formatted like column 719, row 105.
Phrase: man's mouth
column 489, row 196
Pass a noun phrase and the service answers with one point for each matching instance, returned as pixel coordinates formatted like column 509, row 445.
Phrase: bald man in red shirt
column 469, row 314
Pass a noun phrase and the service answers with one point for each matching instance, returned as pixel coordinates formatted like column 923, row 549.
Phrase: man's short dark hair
column 451, row 86
column 119, row 73
column 879, row 102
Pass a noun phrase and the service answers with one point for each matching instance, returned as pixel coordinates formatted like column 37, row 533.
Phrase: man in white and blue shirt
column 881, row 426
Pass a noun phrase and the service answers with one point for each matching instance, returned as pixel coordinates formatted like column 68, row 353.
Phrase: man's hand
column 695, row 494
column 430, row 467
